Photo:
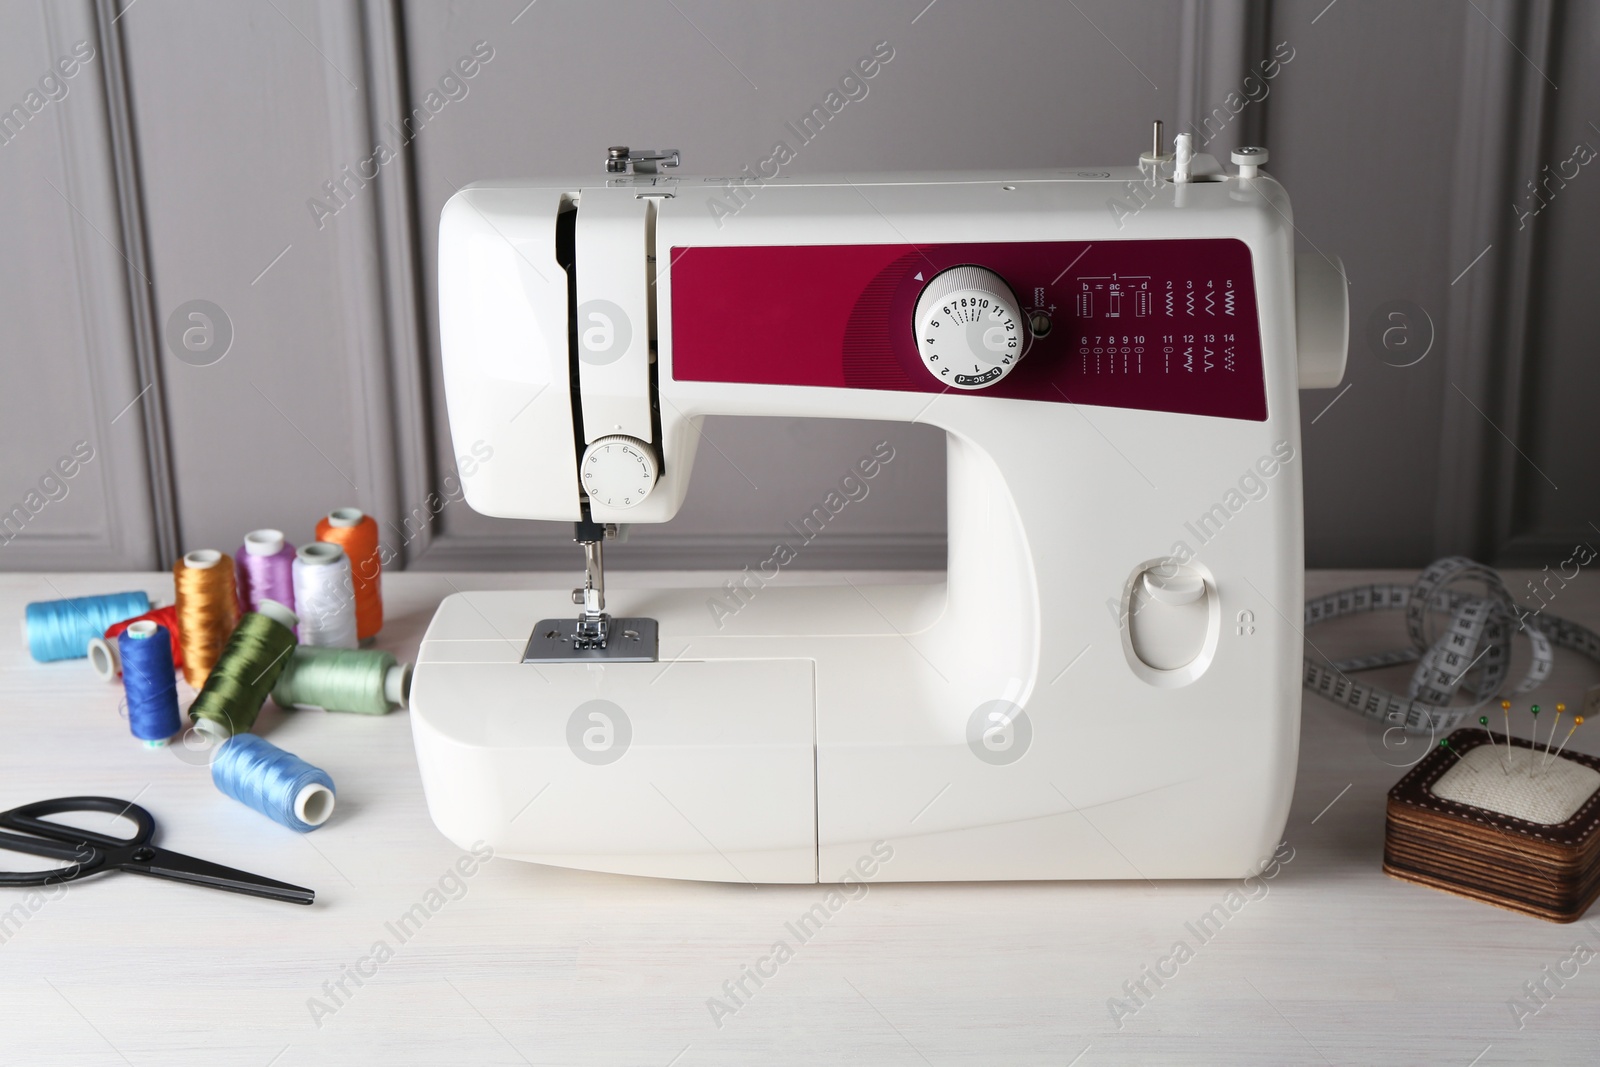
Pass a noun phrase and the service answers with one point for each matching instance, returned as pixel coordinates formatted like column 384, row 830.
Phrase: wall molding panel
column 70, row 177
column 1221, row 41
column 361, row 266
column 143, row 326
column 182, row 160
column 1502, row 126
column 406, row 354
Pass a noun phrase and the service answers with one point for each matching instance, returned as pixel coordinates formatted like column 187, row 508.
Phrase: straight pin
column 1577, row 721
column 1483, row 721
column 1505, row 709
column 1533, row 709
column 1552, row 738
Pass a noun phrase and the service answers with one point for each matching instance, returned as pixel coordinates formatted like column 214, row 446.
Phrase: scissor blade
column 180, row 868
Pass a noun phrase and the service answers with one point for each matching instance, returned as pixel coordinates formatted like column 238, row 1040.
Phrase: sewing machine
column 1106, row 684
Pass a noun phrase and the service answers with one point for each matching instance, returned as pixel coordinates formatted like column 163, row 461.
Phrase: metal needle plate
column 630, row 641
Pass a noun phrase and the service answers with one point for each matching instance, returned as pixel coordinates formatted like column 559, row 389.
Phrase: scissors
column 91, row 853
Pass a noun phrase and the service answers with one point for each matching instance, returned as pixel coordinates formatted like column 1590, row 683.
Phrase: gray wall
column 182, row 162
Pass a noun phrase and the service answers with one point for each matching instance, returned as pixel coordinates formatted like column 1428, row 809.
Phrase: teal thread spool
column 238, row 685
column 361, row 681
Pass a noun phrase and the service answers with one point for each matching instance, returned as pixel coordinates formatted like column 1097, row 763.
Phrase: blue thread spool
column 278, row 784
column 62, row 629
column 150, row 682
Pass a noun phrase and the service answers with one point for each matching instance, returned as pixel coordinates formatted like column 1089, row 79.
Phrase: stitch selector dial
column 970, row 332
column 618, row 471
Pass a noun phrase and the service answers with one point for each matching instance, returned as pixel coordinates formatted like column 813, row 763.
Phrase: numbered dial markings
column 970, row 332
column 618, row 471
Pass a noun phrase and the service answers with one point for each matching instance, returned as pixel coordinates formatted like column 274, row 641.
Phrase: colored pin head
column 1505, row 705
column 1483, row 720
column 1560, row 708
column 1535, row 710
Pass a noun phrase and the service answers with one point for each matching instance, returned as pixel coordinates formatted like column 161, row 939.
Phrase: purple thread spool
column 266, row 569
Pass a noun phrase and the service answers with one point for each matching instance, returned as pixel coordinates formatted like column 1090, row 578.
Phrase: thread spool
column 278, row 784
column 357, row 534
column 208, row 610
column 245, row 673
column 105, row 658
column 323, row 591
column 266, row 570
column 150, row 682
column 362, row 681
column 62, row 629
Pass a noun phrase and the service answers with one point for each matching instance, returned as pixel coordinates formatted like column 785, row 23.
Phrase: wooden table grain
column 1328, row 961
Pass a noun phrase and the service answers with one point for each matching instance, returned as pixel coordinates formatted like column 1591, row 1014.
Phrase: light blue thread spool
column 278, row 784
column 62, row 629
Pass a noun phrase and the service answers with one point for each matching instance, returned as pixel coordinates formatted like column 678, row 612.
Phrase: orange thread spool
column 357, row 534
column 208, row 610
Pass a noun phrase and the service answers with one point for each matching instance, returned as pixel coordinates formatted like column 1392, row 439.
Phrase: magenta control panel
column 1166, row 325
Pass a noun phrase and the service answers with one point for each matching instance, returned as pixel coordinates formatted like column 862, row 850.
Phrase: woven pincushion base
column 1500, row 824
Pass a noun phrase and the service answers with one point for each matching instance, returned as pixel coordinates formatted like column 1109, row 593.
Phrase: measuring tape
column 1473, row 652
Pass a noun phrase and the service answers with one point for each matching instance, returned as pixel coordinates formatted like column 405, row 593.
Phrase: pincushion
column 1504, row 823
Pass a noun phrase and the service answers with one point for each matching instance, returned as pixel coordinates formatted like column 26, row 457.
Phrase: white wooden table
column 1334, row 963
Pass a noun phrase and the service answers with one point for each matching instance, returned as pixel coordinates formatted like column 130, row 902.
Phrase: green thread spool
column 363, row 681
column 238, row 685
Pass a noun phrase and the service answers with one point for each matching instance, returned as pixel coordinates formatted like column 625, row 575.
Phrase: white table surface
column 1336, row 963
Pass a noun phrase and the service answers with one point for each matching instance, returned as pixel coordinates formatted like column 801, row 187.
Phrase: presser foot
column 567, row 640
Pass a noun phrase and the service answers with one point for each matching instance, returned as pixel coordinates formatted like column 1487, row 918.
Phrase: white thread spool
column 397, row 685
column 324, row 596
column 105, row 659
column 314, row 804
column 263, row 542
column 210, row 732
column 278, row 613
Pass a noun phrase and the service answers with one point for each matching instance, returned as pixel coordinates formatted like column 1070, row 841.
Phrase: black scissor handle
column 84, row 860
column 29, row 819
column 85, row 849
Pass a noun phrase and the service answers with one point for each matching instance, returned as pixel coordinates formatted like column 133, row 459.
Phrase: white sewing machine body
column 1046, row 712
